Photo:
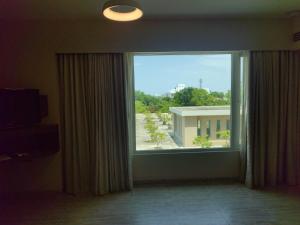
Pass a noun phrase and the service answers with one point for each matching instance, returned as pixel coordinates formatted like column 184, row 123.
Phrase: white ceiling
column 162, row 9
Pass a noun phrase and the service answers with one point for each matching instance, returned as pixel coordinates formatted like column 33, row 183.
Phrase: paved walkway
column 142, row 136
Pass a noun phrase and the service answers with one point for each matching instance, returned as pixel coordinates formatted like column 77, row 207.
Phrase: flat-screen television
column 19, row 107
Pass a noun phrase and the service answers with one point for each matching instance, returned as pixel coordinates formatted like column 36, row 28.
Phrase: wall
column 188, row 166
column 178, row 128
column 190, row 128
column 28, row 60
column 296, row 28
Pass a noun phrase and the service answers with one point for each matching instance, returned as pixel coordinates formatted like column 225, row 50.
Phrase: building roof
column 201, row 110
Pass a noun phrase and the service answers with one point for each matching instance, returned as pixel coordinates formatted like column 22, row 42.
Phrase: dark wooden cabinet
column 38, row 140
column 21, row 131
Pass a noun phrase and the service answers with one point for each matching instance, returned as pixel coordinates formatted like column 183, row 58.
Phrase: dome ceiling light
column 122, row 10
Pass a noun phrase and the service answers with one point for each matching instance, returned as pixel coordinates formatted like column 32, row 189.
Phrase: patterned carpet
column 223, row 204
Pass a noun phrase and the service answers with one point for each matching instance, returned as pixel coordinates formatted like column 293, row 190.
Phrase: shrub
column 140, row 107
column 157, row 137
column 225, row 134
column 202, row 141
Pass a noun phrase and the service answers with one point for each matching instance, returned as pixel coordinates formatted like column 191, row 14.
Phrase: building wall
column 182, row 129
column 190, row 128
column 178, row 129
column 28, row 60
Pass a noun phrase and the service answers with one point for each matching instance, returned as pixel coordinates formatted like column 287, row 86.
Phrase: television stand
column 38, row 140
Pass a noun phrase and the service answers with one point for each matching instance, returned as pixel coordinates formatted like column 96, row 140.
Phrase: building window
column 218, row 129
column 198, row 128
column 174, row 93
column 208, row 128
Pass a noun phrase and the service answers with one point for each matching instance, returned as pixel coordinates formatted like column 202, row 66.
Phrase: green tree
column 202, row 141
column 140, row 107
column 216, row 94
column 157, row 137
column 184, row 97
column 151, row 127
column 150, row 101
column 165, row 103
column 201, row 97
column 165, row 118
column 187, row 97
column 159, row 115
column 148, row 116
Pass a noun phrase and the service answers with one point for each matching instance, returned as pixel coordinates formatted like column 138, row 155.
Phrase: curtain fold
column 274, row 94
column 245, row 116
column 129, row 70
column 94, row 123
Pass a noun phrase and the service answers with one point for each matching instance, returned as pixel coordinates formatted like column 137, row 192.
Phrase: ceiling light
column 122, row 10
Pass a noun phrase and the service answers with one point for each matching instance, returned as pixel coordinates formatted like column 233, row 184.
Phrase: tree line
column 189, row 96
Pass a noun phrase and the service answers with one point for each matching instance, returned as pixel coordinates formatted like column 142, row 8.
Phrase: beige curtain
column 94, row 123
column 129, row 70
column 244, row 115
column 274, row 119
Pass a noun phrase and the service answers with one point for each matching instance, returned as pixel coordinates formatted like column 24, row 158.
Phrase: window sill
column 180, row 151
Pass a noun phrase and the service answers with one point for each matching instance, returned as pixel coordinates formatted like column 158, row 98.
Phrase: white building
column 192, row 121
column 178, row 88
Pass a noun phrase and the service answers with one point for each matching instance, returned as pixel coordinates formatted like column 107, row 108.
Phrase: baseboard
column 207, row 181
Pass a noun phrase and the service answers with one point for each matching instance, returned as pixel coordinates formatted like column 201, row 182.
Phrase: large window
column 184, row 101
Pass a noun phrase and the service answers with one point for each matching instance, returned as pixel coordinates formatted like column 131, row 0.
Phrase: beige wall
column 177, row 129
column 190, row 131
column 190, row 166
column 296, row 28
column 28, row 60
column 190, row 127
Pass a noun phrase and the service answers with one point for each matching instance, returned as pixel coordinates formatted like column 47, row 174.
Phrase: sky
column 158, row 74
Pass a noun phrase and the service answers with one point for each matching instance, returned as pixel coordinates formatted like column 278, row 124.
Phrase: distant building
column 178, row 88
column 206, row 89
column 190, row 122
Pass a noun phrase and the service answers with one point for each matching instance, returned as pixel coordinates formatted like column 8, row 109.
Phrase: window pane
column 199, row 128
column 208, row 128
column 182, row 101
column 218, row 128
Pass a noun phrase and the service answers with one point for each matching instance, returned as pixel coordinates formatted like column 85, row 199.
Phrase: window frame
column 234, row 108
